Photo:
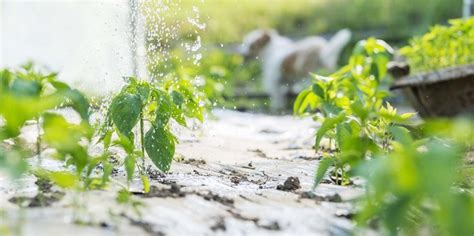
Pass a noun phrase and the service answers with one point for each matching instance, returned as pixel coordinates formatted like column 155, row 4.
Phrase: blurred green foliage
column 27, row 94
column 416, row 177
column 442, row 46
column 31, row 94
column 222, row 77
column 417, row 187
column 228, row 21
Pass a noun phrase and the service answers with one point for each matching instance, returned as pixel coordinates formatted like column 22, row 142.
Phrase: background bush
column 229, row 21
column 442, row 47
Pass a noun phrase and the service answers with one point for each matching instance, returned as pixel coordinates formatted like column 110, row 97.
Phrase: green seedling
column 351, row 109
column 140, row 103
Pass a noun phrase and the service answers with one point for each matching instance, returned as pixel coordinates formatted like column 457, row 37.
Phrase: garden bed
column 224, row 180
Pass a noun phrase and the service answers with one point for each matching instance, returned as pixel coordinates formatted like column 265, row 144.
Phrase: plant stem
column 142, row 139
column 38, row 140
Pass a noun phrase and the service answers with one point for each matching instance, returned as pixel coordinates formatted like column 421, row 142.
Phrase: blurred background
column 91, row 40
column 227, row 22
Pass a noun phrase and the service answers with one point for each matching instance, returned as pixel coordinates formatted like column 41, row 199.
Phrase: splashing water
column 87, row 42
column 94, row 43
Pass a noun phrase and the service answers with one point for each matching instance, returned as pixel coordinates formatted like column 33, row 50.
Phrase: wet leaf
column 160, row 147
column 125, row 112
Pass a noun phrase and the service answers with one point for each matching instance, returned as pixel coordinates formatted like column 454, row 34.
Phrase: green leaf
column 106, row 173
column 163, row 113
column 318, row 90
column 123, row 196
column 160, row 147
column 143, row 90
column 344, row 134
column 23, row 87
column 304, row 100
column 177, row 97
column 80, row 103
column 107, row 139
column 13, row 161
column 64, row 179
column 359, row 109
column 62, row 135
column 146, row 183
column 125, row 111
column 125, row 142
column 401, row 134
column 330, row 108
column 327, row 125
column 322, row 169
column 297, row 107
column 58, row 85
column 129, row 166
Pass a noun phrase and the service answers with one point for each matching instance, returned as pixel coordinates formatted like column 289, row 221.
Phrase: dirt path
column 226, row 181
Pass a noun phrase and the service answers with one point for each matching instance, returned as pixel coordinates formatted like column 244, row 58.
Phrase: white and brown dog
column 286, row 62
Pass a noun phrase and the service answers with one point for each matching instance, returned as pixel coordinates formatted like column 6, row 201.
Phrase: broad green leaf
column 298, row 107
column 13, row 161
column 61, row 134
column 143, row 90
column 5, row 78
column 125, row 112
column 160, row 147
column 401, row 135
column 23, row 87
column 106, row 173
column 163, row 113
column 327, row 125
column 344, row 134
column 359, row 109
column 123, row 196
column 177, row 97
column 129, row 166
column 80, row 103
column 126, row 143
column 58, row 85
column 64, row 179
column 107, row 139
column 330, row 109
column 146, row 183
column 318, row 90
column 322, row 169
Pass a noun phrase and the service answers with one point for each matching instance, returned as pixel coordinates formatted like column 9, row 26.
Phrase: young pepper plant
column 351, row 109
column 140, row 103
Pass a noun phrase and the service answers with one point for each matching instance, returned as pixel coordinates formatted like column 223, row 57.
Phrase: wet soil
column 326, row 198
column 174, row 191
column 237, row 175
column 39, row 200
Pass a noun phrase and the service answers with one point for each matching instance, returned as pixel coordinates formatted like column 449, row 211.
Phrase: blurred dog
column 286, row 62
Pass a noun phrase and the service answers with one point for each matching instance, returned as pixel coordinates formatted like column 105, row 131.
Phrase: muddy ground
column 237, row 174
